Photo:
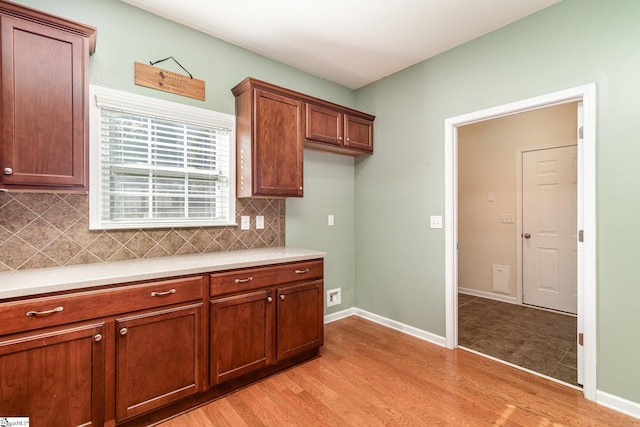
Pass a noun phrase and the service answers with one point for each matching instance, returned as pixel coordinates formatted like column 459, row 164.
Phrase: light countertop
column 24, row 283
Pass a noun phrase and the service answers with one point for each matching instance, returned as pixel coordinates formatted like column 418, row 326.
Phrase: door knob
column 527, row 235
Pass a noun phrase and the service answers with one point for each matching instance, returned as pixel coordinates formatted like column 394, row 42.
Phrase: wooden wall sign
column 168, row 81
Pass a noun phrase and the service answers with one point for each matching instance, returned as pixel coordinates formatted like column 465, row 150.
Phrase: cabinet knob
column 8, row 171
column 269, row 299
column 300, row 188
column 339, row 138
column 123, row 331
column 97, row 337
column 348, row 139
column 282, row 297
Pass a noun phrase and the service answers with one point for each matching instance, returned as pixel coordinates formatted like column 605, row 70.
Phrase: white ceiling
column 350, row 42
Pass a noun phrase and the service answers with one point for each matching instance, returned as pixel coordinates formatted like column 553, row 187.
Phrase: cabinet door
column 358, row 133
column 242, row 338
column 277, row 145
column 300, row 318
column 159, row 358
column 43, row 106
column 323, row 125
column 56, row 378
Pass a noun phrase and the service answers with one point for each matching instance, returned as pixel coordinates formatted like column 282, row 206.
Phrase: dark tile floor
column 539, row 340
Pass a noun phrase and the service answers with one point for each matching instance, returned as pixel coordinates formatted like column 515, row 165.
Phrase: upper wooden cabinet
column 269, row 126
column 273, row 124
column 44, row 79
column 338, row 130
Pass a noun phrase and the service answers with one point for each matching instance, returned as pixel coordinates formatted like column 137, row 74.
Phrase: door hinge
column 581, row 338
column 580, row 235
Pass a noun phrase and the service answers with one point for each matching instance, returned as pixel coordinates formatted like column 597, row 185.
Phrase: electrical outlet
column 334, row 297
column 436, row 221
column 507, row 218
column 245, row 222
column 259, row 222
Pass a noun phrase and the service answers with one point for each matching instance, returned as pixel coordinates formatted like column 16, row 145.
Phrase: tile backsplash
column 47, row 230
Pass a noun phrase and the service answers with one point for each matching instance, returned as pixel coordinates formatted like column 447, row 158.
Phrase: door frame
column 587, row 293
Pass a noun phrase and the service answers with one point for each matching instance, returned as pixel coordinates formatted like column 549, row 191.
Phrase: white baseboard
column 488, row 295
column 618, row 404
column 401, row 327
column 339, row 315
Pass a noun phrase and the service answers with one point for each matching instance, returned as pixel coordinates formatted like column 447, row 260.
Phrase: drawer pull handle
column 302, row 271
column 248, row 279
column 97, row 337
column 44, row 313
column 161, row 294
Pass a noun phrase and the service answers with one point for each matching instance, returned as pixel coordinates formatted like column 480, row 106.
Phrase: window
column 156, row 163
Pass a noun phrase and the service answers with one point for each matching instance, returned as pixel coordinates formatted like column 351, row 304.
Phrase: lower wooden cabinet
column 156, row 348
column 241, row 334
column 300, row 324
column 159, row 358
column 54, row 376
column 259, row 327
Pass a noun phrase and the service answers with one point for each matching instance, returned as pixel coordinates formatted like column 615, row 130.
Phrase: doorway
column 586, row 260
column 527, row 157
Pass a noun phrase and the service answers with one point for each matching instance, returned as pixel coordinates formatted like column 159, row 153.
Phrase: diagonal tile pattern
column 535, row 339
column 46, row 230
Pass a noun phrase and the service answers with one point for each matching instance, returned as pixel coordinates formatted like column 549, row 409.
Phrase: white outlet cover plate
column 436, row 221
column 259, row 222
column 245, row 222
column 334, row 297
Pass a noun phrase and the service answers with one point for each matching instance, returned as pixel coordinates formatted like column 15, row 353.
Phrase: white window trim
column 111, row 98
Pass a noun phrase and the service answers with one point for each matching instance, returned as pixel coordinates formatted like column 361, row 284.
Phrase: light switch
column 330, row 220
column 259, row 222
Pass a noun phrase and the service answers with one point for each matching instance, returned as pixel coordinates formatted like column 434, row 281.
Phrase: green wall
column 328, row 190
column 127, row 34
column 400, row 261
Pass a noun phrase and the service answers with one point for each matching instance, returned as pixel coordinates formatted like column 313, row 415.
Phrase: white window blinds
column 160, row 164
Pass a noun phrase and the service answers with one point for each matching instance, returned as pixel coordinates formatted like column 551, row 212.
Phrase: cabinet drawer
column 50, row 311
column 254, row 278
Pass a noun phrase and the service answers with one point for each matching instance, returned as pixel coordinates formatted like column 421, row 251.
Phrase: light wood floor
column 369, row 375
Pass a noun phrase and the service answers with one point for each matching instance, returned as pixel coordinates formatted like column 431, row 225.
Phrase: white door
column 549, row 228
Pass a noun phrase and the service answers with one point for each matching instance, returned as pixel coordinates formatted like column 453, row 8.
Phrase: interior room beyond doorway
column 488, row 156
